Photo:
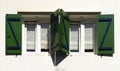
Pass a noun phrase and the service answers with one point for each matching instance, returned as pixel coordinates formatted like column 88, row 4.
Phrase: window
column 30, row 37
column 74, row 37
column 83, row 29
column 35, row 34
column 44, row 36
column 89, row 37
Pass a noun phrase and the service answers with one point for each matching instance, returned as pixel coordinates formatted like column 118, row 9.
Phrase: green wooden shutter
column 54, row 34
column 64, row 32
column 59, row 31
column 105, row 34
column 13, row 34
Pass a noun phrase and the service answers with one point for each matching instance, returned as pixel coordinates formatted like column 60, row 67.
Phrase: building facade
column 92, row 46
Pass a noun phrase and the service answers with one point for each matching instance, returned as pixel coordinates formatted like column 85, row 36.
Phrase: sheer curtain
column 74, row 37
column 31, row 37
column 44, row 35
column 88, row 36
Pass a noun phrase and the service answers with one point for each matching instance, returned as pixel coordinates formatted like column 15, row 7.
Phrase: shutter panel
column 105, row 34
column 64, row 31
column 59, row 32
column 13, row 34
column 54, row 33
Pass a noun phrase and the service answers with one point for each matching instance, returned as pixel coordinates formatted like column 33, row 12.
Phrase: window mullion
column 82, row 38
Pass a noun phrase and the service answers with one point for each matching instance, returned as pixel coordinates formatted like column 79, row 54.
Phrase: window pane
column 30, row 37
column 88, row 36
column 44, row 35
column 74, row 37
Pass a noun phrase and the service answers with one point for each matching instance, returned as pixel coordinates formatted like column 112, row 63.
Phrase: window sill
column 82, row 54
column 36, row 54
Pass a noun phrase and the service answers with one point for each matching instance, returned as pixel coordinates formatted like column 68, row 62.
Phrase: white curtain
column 88, row 36
column 44, row 35
column 30, row 37
column 74, row 37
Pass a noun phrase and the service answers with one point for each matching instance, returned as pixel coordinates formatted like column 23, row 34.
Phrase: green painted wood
column 54, row 34
column 59, row 31
column 105, row 34
column 64, row 31
column 13, row 34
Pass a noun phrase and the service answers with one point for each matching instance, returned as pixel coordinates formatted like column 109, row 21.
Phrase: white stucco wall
column 39, row 62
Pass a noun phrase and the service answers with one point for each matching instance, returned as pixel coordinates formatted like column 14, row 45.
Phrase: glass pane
column 30, row 37
column 44, row 35
column 74, row 37
column 88, row 36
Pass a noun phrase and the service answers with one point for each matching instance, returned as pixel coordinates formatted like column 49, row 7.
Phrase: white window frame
column 37, row 42
column 92, row 33
column 83, row 40
column 82, row 48
column 46, row 52
column 79, row 41
column 38, row 36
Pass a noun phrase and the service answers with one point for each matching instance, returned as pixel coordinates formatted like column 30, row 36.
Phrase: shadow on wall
column 58, row 57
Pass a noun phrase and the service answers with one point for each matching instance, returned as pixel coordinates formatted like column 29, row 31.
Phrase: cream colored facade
column 43, row 61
